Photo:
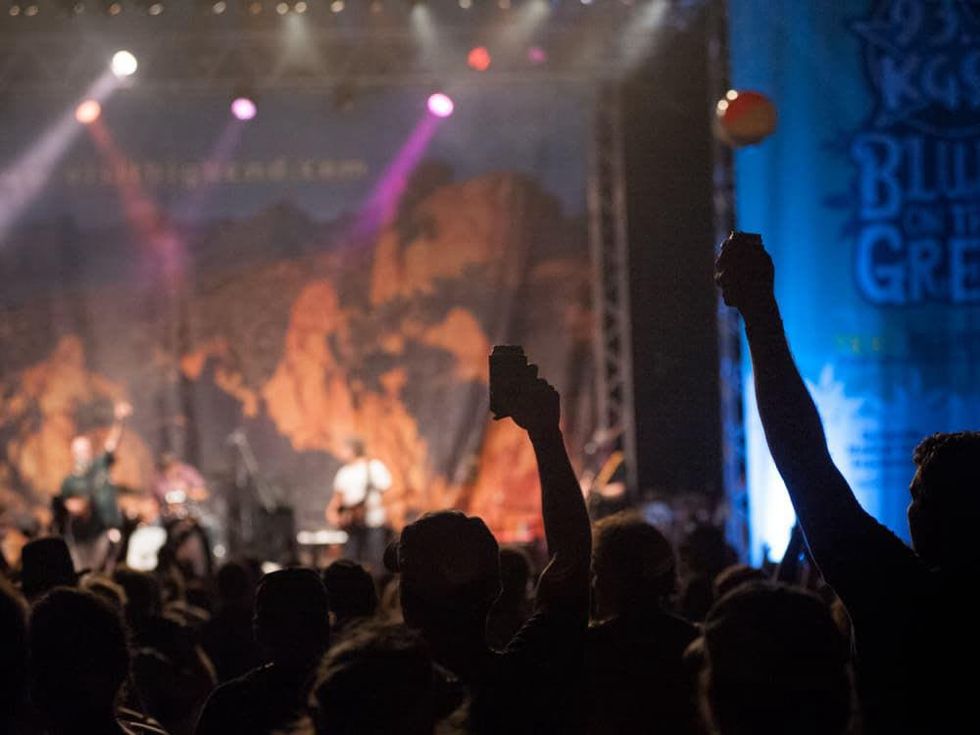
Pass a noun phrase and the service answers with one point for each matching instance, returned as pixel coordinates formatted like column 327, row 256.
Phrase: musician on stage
column 177, row 487
column 356, row 506
column 87, row 508
column 180, row 491
column 604, row 479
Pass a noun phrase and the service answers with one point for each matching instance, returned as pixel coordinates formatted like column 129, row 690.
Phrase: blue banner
column 868, row 197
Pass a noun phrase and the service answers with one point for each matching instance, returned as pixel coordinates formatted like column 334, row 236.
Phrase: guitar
column 352, row 515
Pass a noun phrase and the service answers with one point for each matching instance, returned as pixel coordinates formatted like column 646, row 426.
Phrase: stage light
column 88, row 112
column 219, row 7
column 123, row 64
column 244, row 108
column 300, row 7
column 503, row 4
column 282, row 8
column 479, row 58
column 466, row 4
column 586, row 2
column 155, row 9
column 337, row 6
column 537, row 55
column 255, row 7
column 376, row 6
column 441, row 105
column 113, row 8
column 28, row 9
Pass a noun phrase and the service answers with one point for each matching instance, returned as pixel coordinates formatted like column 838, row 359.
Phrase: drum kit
column 179, row 527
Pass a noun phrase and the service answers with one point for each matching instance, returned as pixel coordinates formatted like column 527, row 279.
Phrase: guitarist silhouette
column 87, row 508
column 356, row 506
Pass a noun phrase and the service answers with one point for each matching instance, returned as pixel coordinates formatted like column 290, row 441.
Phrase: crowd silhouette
column 625, row 629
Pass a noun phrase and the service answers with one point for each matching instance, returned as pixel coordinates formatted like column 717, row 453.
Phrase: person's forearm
column 790, row 419
column 566, row 520
column 115, row 436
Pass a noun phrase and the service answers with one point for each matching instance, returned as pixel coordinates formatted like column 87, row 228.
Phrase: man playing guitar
column 87, row 509
column 357, row 508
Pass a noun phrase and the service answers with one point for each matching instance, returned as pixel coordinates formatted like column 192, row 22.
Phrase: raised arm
column 121, row 412
column 566, row 521
column 824, row 502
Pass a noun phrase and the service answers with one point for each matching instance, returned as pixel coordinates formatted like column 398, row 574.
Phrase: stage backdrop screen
column 329, row 270
column 868, row 196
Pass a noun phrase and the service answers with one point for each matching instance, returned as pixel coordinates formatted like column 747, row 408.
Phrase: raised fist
column 744, row 272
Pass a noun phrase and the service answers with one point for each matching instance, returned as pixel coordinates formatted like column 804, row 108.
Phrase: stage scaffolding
column 609, row 249
column 729, row 323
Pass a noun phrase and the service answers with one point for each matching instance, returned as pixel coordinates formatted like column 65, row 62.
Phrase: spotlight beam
column 148, row 222
column 382, row 204
column 23, row 180
column 190, row 207
column 639, row 38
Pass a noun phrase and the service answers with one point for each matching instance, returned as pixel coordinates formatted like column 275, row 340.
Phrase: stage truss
column 729, row 323
column 609, row 246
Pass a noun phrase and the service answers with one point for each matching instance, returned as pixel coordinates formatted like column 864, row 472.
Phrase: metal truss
column 729, row 326
column 187, row 49
column 68, row 60
column 610, row 272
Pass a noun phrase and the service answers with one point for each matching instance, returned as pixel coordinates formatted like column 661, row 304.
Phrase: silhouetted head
column 45, row 564
column 945, row 510
column 292, row 616
column 106, row 589
column 379, row 680
column 734, row 577
column 774, row 662
column 81, row 453
column 144, row 597
column 13, row 652
column 450, row 571
column 236, row 583
column 351, row 591
column 633, row 565
column 79, row 658
column 515, row 572
column 704, row 551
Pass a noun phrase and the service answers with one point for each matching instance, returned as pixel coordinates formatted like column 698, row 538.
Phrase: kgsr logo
column 923, row 57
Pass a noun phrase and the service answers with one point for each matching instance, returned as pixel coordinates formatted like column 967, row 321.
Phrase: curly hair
column 948, row 463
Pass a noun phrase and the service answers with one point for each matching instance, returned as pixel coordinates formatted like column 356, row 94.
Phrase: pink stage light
column 441, row 105
column 244, row 108
column 88, row 112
